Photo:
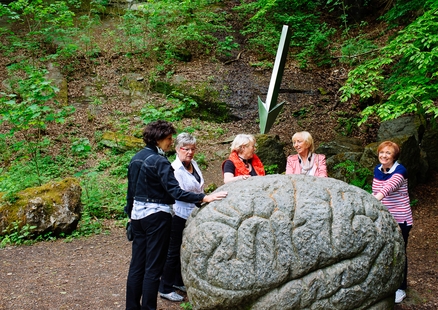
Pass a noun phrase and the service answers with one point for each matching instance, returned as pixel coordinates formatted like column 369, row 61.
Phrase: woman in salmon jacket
column 306, row 162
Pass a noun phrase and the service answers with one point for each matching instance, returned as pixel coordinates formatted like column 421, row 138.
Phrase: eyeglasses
column 186, row 149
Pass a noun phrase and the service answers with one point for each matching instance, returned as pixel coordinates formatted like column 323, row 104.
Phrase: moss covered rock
column 53, row 207
column 121, row 142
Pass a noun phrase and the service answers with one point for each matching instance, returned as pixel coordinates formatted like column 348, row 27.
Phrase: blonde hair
column 241, row 140
column 307, row 137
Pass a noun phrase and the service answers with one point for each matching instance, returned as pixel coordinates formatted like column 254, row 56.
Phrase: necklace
column 187, row 164
column 245, row 162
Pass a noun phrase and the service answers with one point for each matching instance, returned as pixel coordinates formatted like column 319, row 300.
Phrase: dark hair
column 156, row 131
column 392, row 145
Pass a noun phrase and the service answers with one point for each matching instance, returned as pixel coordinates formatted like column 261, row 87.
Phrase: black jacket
column 151, row 179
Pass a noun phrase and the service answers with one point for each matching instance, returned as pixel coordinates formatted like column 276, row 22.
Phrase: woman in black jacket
column 152, row 189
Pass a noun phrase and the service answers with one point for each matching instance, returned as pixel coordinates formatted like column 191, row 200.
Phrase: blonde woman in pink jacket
column 306, row 162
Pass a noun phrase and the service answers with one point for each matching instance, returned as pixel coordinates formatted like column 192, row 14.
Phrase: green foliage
column 179, row 106
column 403, row 11
column 404, row 74
column 201, row 161
column 355, row 174
column 167, row 30
column 263, row 64
column 413, row 202
column 88, row 43
column 354, row 49
column 316, row 48
column 210, row 188
column 347, row 123
column 102, row 196
column 271, row 169
column 30, row 106
column 301, row 113
column 81, row 147
column 46, row 22
column 226, row 46
column 16, row 235
column 20, row 174
column 134, row 27
column 186, row 305
column 309, row 37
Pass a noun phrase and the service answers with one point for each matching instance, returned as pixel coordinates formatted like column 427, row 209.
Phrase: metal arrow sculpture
column 269, row 111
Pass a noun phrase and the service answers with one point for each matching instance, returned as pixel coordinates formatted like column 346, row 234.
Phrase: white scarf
column 160, row 151
column 308, row 168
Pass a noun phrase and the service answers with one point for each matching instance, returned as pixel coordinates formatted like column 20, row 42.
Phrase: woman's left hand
column 215, row 196
column 378, row 196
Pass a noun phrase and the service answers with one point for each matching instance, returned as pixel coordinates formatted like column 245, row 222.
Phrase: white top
column 187, row 182
column 142, row 209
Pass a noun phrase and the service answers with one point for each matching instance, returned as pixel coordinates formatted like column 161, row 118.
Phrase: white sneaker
column 172, row 296
column 399, row 296
column 181, row 288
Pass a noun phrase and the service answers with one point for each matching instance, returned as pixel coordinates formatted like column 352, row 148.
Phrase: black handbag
column 129, row 232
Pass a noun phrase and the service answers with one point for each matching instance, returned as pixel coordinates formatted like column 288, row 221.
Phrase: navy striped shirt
column 393, row 184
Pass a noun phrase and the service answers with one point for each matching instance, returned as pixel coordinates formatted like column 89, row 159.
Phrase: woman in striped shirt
column 390, row 186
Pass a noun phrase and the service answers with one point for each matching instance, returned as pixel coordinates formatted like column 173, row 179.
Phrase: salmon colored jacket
column 293, row 165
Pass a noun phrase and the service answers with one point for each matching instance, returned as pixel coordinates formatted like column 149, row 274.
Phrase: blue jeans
column 172, row 270
column 149, row 249
column 405, row 232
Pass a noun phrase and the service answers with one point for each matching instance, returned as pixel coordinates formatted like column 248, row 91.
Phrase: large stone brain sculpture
column 292, row 242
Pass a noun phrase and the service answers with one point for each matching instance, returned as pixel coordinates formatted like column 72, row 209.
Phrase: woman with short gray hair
column 242, row 162
column 190, row 179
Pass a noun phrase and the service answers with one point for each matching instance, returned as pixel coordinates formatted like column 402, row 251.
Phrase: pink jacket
column 293, row 165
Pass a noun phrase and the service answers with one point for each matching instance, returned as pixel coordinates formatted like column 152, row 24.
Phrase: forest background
column 381, row 53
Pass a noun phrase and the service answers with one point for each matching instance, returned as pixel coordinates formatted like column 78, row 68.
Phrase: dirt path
column 90, row 273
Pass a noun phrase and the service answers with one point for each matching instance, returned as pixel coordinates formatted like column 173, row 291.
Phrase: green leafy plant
column 301, row 113
column 179, row 106
column 201, row 161
column 347, row 123
column 309, row 37
column 186, row 305
column 404, row 73
column 355, row 174
column 226, row 46
column 47, row 23
column 17, row 235
column 355, row 50
column 271, row 169
column 134, row 28
column 81, row 147
column 103, row 196
column 403, row 11
column 29, row 107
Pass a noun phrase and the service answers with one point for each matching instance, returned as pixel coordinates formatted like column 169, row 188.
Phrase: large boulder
column 340, row 144
column 271, row 152
column 292, row 242
column 429, row 144
column 53, row 207
column 402, row 126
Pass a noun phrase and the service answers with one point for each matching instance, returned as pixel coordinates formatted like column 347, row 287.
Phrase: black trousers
column 405, row 232
column 172, row 269
column 149, row 249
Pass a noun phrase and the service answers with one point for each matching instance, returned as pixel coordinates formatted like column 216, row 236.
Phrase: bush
column 355, row 174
